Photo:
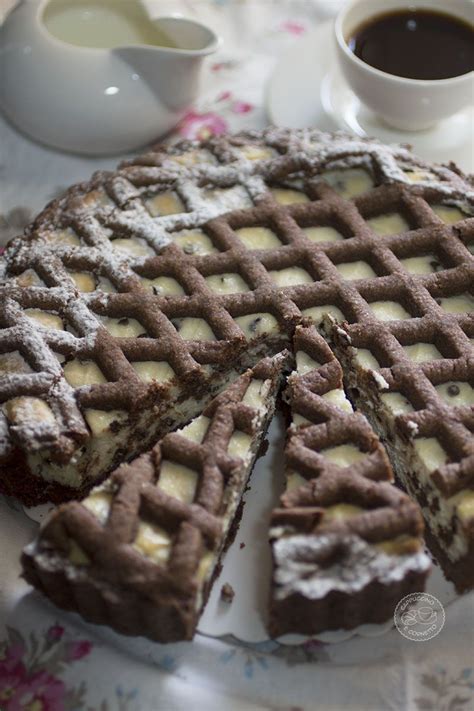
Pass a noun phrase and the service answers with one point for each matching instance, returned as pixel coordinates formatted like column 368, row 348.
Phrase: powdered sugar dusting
column 87, row 219
column 300, row 566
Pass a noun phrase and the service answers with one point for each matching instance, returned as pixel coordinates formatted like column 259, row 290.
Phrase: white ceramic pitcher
column 132, row 85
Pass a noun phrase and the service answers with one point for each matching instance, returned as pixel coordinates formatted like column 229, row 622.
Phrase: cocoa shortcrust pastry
column 140, row 553
column 347, row 544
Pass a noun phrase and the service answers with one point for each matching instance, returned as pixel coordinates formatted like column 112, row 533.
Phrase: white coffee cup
column 406, row 104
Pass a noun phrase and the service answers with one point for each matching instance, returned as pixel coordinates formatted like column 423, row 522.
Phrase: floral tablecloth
column 50, row 661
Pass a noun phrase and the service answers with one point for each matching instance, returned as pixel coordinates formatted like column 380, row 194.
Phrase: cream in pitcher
column 99, row 76
column 103, row 24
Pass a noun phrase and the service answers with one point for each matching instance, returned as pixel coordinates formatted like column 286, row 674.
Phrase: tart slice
column 347, row 545
column 141, row 551
column 422, row 407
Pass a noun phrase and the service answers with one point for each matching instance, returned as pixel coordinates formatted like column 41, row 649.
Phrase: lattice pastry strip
column 140, row 552
column 342, row 531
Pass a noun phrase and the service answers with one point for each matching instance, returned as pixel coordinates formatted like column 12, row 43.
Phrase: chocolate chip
column 123, row 321
column 227, row 593
column 453, row 390
column 115, row 426
column 254, row 324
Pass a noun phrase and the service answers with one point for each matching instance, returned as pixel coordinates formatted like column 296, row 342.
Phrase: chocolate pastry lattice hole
column 28, row 278
column 166, row 202
column 334, row 307
column 45, row 318
column 419, row 175
column 397, row 403
column 456, row 393
column 424, row 263
column 79, row 372
column 62, row 237
column 389, row 304
column 191, row 157
column 14, row 362
column 358, row 264
column 349, row 182
column 194, row 241
column 159, row 281
column 131, row 246
column 258, row 237
column 433, row 348
column 322, row 224
column 449, row 214
column 431, row 451
column 288, row 194
column 388, row 212
column 255, row 152
column 470, row 245
column 230, row 197
column 456, row 303
column 227, row 283
column 123, row 327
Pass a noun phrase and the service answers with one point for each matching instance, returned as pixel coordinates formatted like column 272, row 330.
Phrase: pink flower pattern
column 38, row 692
column 212, row 121
column 241, row 107
column 77, row 650
column 199, row 126
column 29, row 678
column 55, row 632
column 293, row 27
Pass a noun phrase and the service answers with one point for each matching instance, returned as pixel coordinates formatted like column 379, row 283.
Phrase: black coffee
column 418, row 44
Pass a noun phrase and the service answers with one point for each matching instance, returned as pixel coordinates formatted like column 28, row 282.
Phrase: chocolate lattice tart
column 138, row 296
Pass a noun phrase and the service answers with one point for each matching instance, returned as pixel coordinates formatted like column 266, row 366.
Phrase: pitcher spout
column 171, row 68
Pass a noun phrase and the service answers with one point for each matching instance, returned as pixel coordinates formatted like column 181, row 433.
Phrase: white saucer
column 307, row 89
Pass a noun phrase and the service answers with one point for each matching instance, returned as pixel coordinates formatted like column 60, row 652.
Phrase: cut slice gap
column 248, row 557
